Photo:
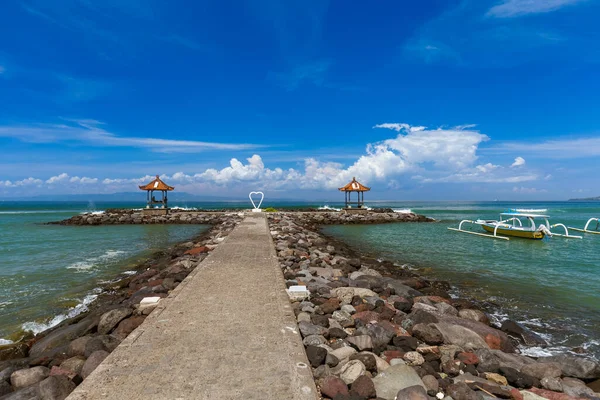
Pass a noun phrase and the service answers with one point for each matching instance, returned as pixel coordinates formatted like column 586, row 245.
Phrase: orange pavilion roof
column 157, row 184
column 355, row 186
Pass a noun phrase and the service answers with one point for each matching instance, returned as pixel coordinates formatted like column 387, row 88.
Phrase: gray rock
column 520, row 332
column 348, row 308
column 7, row 372
column 303, row 317
column 416, row 392
column 474, row 315
column 578, row 367
column 28, row 393
column 362, row 342
column 5, row 388
column 55, row 387
column 343, row 318
column 316, row 355
column 413, row 358
column 542, row 370
column 74, row 364
column 431, row 383
column 401, row 289
column 111, row 318
column 461, row 391
column 554, row 384
column 516, row 361
column 352, row 370
column 461, row 336
column 445, row 308
column 27, row 377
column 307, row 329
column 428, row 333
column 92, row 362
column 343, row 353
column 576, row 388
column 314, row 340
column 397, row 377
column 77, row 346
column 63, row 336
column 102, row 342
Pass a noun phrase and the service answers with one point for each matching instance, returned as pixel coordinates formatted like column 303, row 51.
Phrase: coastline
column 157, row 275
column 365, row 315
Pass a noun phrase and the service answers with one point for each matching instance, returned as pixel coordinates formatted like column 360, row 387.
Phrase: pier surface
column 227, row 332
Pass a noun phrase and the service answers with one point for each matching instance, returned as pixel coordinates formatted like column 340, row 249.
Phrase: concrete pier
column 227, row 332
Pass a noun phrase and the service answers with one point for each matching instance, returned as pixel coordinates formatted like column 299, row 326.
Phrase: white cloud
column 58, row 178
column 91, row 132
column 528, row 190
column 557, row 148
column 519, row 161
column 517, row 8
column 429, row 155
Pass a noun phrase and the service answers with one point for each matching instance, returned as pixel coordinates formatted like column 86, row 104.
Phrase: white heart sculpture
column 262, row 196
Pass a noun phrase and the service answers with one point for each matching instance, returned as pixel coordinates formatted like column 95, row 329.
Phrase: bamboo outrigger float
column 510, row 224
column 595, row 231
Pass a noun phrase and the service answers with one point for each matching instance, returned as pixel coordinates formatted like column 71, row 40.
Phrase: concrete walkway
column 227, row 332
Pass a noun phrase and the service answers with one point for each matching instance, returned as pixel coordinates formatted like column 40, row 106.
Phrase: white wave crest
column 326, row 207
column 38, row 327
column 90, row 263
column 5, row 341
column 92, row 213
column 402, row 210
column 184, row 208
column 532, row 210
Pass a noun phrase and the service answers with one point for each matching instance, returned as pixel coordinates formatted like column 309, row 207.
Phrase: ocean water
column 551, row 286
column 51, row 272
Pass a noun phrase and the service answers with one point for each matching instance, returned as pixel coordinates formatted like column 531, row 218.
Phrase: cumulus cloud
column 428, row 155
column 519, row 161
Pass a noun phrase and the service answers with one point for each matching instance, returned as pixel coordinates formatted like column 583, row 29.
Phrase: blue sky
column 436, row 99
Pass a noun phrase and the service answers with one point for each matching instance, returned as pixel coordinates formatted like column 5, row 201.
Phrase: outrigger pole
column 494, row 236
column 586, row 230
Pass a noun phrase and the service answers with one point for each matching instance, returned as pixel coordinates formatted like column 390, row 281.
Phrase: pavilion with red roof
column 157, row 185
column 360, row 190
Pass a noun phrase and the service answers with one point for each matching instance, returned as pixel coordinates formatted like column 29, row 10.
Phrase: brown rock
column 468, row 358
column 363, row 386
column 197, row 250
column 127, row 326
column 332, row 386
column 330, row 305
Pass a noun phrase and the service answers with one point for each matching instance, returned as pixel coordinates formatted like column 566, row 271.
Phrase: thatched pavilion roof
column 157, row 184
column 354, row 186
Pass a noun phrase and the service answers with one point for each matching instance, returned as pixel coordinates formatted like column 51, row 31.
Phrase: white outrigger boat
column 595, row 231
column 511, row 224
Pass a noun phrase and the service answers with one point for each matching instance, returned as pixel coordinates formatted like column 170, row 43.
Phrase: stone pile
column 129, row 217
column 373, row 330
column 337, row 218
column 52, row 364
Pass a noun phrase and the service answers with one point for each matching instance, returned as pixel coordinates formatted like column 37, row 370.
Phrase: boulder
column 401, row 289
column 56, row 387
column 5, row 388
column 101, row 342
column 361, row 342
column 307, row 329
column 431, row 383
column 397, row 377
column 28, row 393
column 541, row 370
column 351, row 371
column 461, row 336
column 575, row 366
column 13, row 351
column 92, row 362
column 368, row 359
column 111, row 318
column 461, row 391
column 343, row 353
column 554, row 384
column 345, row 294
column 63, row 336
column 27, row 377
column 428, row 333
column 576, row 388
column 413, row 358
column 127, row 326
column 77, row 346
column 363, row 387
column 316, row 355
column 332, row 386
column 474, row 315
column 416, row 392
column 526, row 336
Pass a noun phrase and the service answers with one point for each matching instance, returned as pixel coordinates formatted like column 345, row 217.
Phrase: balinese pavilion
column 157, row 185
column 360, row 190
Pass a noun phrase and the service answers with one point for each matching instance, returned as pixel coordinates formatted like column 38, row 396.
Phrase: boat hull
column 535, row 235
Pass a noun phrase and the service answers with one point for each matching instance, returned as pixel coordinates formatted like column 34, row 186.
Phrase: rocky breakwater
column 373, row 330
column 128, row 217
column 380, row 216
column 50, row 365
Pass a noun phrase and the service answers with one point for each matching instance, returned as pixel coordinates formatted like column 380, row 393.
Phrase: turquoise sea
column 551, row 286
column 49, row 272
